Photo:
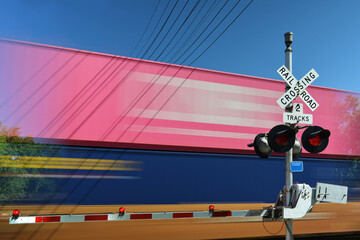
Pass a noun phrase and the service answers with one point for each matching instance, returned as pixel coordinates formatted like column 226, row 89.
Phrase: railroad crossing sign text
column 297, row 116
column 297, row 88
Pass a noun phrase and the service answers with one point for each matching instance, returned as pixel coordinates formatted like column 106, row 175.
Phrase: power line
column 157, row 24
column 107, row 82
column 89, row 85
column 222, row 20
column 192, row 10
column 222, row 32
column 203, row 31
column 169, row 29
column 207, row 14
column 113, row 125
column 167, row 99
column 142, row 93
column 162, row 27
column 146, row 28
column 190, row 24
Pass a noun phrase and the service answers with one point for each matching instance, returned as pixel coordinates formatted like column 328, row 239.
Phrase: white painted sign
column 331, row 193
column 297, row 88
column 297, row 115
column 297, row 118
column 298, row 108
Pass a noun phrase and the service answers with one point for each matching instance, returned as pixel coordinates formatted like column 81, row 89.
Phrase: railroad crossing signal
column 281, row 138
column 315, row 139
column 298, row 88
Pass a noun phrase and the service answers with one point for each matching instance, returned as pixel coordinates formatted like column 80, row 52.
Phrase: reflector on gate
column 16, row 214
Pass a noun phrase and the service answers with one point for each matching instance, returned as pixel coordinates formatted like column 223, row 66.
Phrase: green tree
column 16, row 182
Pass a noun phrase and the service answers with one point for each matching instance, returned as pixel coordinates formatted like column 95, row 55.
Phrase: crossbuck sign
column 298, row 88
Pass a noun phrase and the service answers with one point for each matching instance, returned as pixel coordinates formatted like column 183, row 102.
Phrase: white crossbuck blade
column 298, row 88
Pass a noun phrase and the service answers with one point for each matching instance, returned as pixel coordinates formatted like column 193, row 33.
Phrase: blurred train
column 129, row 131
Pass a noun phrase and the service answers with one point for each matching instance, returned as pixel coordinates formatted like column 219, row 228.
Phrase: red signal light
column 211, row 208
column 121, row 210
column 315, row 141
column 282, row 140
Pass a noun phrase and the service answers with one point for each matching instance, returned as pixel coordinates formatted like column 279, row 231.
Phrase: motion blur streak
column 79, row 176
column 69, row 163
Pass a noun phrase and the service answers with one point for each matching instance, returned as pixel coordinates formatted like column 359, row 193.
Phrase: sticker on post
column 297, row 166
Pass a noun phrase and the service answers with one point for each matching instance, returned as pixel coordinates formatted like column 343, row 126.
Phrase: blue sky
column 326, row 33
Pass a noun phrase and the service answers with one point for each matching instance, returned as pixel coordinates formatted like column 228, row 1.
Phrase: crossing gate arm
column 122, row 216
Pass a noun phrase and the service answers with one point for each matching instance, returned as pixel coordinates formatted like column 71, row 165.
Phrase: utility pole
column 289, row 154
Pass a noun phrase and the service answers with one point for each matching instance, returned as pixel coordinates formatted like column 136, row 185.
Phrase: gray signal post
column 289, row 154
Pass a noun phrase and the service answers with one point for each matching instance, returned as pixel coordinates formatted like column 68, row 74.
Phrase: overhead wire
column 22, row 104
column 192, row 10
column 31, row 79
column 162, row 27
column 88, row 156
column 91, row 83
column 162, row 105
column 156, row 25
column 208, row 13
column 141, row 94
column 210, row 22
column 222, row 32
column 143, row 34
column 185, row 79
column 113, row 90
column 110, row 93
column 146, row 28
column 51, row 89
column 130, row 71
column 145, row 108
column 120, row 82
column 166, row 34
column 131, row 124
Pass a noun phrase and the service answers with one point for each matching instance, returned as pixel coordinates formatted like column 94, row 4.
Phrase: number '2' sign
column 297, row 115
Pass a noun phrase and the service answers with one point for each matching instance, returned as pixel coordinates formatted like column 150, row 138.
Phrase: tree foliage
column 350, row 128
column 350, row 124
column 16, row 182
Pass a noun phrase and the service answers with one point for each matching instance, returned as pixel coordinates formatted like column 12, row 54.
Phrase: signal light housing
column 261, row 146
column 16, row 214
column 281, row 138
column 315, row 139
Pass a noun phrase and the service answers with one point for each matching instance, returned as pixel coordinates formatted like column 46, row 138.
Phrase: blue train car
column 103, row 176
